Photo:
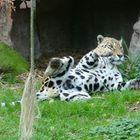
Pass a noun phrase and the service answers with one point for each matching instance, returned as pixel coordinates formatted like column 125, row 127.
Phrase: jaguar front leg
column 88, row 61
column 74, row 96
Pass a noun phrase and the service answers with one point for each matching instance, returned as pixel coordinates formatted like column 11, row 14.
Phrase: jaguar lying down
column 92, row 74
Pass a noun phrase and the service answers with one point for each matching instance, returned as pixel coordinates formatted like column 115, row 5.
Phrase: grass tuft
column 120, row 129
column 11, row 61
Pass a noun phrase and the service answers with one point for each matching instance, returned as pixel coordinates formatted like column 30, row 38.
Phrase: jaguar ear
column 100, row 38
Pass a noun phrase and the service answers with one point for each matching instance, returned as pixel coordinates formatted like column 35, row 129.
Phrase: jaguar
column 96, row 72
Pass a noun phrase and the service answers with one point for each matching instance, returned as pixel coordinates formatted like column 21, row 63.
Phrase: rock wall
column 71, row 26
column 134, row 49
column 5, row 23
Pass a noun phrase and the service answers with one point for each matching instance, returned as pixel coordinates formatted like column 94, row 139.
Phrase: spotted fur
column 70, row 84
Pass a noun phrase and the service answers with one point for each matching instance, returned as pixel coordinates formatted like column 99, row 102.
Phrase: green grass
column 70, row 120
column 11, row 61
column 112, row 116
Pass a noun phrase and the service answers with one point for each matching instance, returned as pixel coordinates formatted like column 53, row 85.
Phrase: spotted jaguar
column 93, row 73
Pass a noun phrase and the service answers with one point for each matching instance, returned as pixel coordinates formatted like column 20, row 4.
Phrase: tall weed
column 129, row 69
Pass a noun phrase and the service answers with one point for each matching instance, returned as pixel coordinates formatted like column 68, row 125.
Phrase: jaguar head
column 110, row 47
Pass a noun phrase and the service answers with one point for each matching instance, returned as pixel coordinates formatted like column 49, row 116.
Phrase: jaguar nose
column 120, row 56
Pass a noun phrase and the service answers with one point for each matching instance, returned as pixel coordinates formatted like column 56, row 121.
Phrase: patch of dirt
column 38, row 73
column 42, row 62
column 134, row 106
column 21, row 78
